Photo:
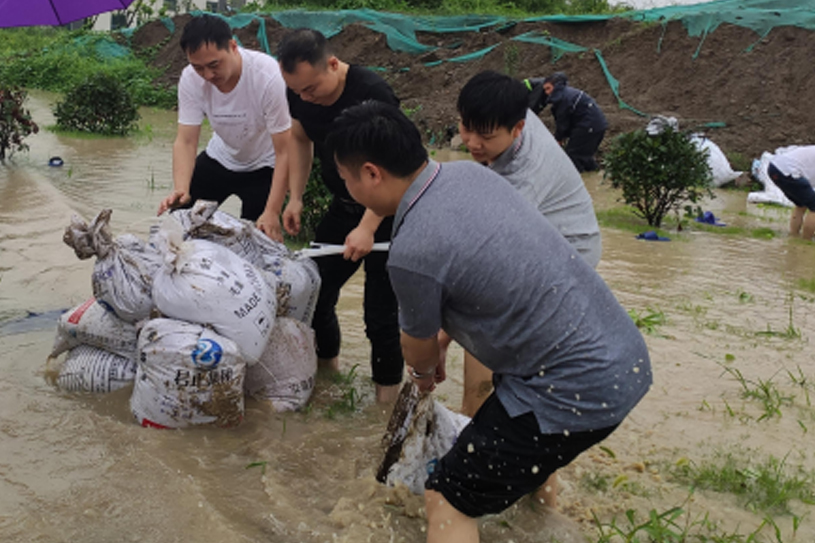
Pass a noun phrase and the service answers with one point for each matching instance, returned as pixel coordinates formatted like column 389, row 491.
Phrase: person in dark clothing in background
column 579, row 122
column 320, row 87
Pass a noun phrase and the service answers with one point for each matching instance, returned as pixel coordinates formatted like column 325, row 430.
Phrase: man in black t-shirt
column 320, row 87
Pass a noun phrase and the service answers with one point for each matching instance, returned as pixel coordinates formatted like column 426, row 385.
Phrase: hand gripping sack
column 296, row 279
column 187, row 376
column 420, row 432
column 89, row 369
column 123, row 274
column 285, row 373
column 206, row 283
column 91, row 324
column 205, row 221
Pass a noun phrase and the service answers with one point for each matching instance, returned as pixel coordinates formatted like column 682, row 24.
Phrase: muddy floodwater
column 736, row 319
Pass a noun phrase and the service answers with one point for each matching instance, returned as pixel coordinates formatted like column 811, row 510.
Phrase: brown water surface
column 79, row 468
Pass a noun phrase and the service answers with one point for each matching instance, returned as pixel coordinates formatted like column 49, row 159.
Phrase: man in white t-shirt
column 794, row 173
column 243, row 95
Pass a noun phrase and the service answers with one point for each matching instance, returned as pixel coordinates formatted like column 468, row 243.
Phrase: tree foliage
column 15, row 121
column 657, row 173
column 101, row 105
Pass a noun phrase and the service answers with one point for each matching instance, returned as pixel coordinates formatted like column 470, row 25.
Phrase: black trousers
column 582, row 146
column 211, row 181
column 379, row 302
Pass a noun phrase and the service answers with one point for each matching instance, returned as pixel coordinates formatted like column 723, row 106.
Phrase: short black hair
column 491, row 100
column 379, row 133
column 205, row 29
column 302, row 45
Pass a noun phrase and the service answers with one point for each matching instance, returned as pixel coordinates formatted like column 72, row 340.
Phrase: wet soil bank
column 762, row 95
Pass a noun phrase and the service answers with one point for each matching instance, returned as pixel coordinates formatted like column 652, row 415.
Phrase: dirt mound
column 760, row 95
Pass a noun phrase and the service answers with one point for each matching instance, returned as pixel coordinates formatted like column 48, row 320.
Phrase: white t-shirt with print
column 244, row 119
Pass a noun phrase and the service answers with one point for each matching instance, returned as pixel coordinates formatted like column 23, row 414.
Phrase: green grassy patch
column 807, row 284
column 767, row 485
column 623, row 218
column 58, row 59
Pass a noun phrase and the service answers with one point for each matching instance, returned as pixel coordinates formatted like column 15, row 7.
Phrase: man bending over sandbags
column 472, row 257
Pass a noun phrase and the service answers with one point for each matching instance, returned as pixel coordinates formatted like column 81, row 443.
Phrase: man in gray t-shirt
column 504, row 135
column 472, row 257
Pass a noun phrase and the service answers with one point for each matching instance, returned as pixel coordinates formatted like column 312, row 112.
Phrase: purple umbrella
column 53, row 12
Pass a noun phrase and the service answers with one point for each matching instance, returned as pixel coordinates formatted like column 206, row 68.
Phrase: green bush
column 15, row 121
column 57, row 60
column 101, row 105
column 316, row 200
column 657, row 173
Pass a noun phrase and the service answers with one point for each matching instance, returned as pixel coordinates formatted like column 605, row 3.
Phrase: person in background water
column 470, row 256
column 503, row 134
column 794, row 172
column 579, row 122
column 320, row 87
column 243, row 96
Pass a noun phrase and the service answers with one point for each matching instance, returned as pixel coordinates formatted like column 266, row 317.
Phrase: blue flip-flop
column 652, row 236
column 55, row 162
column 709, row 218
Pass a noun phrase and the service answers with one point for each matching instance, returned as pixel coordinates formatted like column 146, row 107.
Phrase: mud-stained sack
column 420, row 432
column 296, row 279
column 92, row 324
column 187, row 376
column 89, row 369
column 123, row 274
column 285, row 373
column 205, row 283
column 205, row 221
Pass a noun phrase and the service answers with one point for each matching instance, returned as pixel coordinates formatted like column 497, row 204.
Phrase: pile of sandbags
column 208, row 310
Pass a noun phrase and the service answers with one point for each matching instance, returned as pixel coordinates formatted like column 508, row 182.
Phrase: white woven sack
column 297, row 282
column 187, row 376
column 296, row 279
column 123, row 273
column 91, row 324
column 421, row 450
column 206, row 283
column 205, row 221
column 89, row 369
column 720, row 169
column 285, row 373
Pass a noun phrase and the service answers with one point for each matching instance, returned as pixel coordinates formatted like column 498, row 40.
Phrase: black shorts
column 798, row 189
column 497, row 460
column 212, row 181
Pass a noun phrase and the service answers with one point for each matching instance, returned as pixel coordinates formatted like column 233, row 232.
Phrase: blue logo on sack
column 207, row 354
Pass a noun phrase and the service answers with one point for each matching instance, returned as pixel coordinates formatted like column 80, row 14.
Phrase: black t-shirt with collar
column 360, row 84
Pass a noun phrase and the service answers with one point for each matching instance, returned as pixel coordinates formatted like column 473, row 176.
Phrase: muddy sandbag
column 123, row 274
column 90, row 369
column 420, row 432
column 187, row 375
column 296, row 278
column 205, row 221
column 92, row 324
column 720, row 169
column 206, row 283
column 285, row 373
